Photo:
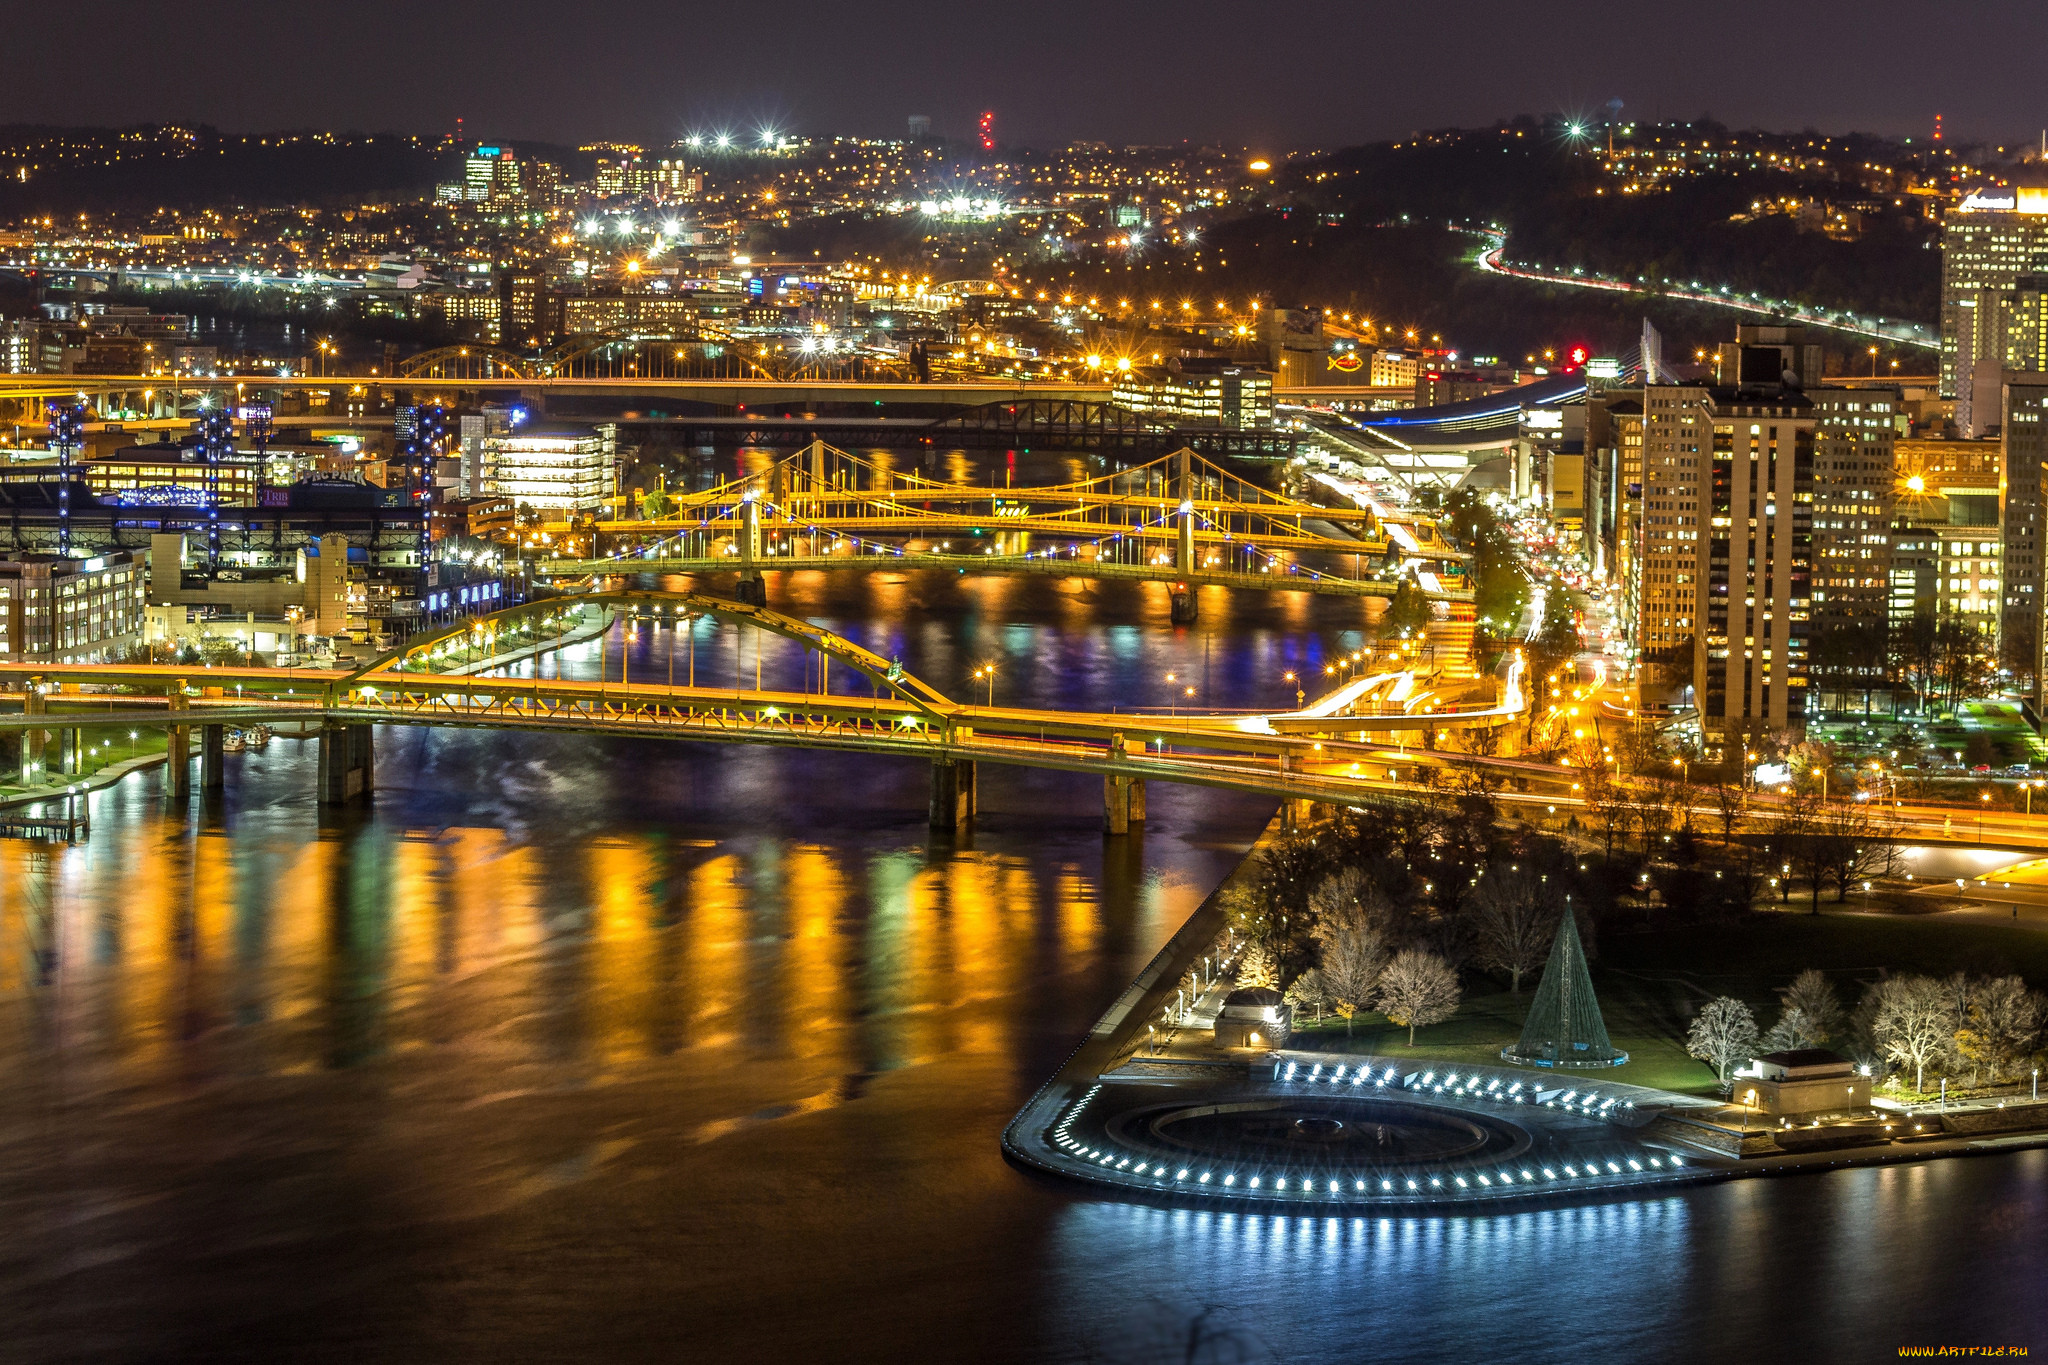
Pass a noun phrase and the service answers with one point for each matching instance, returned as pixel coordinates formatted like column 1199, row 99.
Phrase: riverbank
column 1147, row 1066
column 91, row 782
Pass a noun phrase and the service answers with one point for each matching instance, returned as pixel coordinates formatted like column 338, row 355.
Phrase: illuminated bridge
column 1179, row 519
column 1336, row 751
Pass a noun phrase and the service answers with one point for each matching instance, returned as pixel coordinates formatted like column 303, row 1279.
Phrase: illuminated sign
column 1346, row 361
column 1603, row 367
column 2031, row 199
column 1543, row 419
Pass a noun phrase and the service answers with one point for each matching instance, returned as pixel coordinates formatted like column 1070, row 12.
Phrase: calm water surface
column 566, row 1049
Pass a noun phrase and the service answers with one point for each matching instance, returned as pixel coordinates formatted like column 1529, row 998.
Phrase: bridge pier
column 33, row 703
column 953, row 792
column 348, row 762
column 178, row 746
column 1123, row 804
column 1183, row 610
column 751, row 589
column 212, row 757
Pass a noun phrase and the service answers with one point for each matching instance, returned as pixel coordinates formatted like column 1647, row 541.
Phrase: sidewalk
column 589, row 630
column 103, row 777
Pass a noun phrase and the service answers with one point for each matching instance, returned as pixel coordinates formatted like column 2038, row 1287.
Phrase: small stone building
column 1254, row 1017
column 1807, row 1080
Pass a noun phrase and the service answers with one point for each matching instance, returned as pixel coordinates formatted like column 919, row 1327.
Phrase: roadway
column 716, row 392
column 1489, row 261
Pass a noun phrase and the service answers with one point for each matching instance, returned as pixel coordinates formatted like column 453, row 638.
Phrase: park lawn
column 145, row 743
column 1650, row 985
column 1490, row 1018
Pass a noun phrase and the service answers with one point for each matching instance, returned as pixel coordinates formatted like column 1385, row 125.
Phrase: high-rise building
column 1993, row 238
column 1854, row 433
column 491, row 176
column 673, row 181
column 1946, row 551
column 2023, row 430
column 1735, row 463
column 529, row 313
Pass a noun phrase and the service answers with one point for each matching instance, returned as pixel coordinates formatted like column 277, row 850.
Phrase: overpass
column 880, row 708
column 1178, row 519
column 715, row 392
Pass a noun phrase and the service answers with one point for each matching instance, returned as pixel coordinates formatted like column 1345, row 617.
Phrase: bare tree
column 2003, row 1021
column 1792, row 1032
column 1610, row 805
column 1853, row 842
column 1914, row 1022
column 1309, row 993
column 1418, row 989
column 1355, row 953
column 1513, row 919
column 1722, row 1034
column 1342, row 895
column 1811, row 997
column 1731, row 807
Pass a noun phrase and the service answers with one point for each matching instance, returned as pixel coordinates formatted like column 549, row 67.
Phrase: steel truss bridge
column 1336, row 751
column 1178, row 519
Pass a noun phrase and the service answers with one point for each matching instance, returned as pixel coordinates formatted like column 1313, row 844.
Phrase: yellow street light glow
column 1259, row 166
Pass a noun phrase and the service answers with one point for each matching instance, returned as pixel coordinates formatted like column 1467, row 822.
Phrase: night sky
column 1269, row 76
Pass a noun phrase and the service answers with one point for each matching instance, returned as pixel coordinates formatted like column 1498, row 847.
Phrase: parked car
column 1981, row 768
column 2020, row 769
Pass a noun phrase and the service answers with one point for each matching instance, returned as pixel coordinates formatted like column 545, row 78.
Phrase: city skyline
column 1022, row 685
column 1142, row 73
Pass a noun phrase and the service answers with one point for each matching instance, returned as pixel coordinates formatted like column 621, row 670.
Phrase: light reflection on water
column 1844, row 1265
column 567, row 1048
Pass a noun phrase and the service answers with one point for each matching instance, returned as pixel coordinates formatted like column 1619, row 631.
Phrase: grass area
column 117, row 749
column 1651, row 984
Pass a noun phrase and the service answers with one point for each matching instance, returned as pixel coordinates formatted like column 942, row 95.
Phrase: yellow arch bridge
column 1178, row 519
column 1350, row 746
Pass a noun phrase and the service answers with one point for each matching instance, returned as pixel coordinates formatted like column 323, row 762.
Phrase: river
column 576, row 1049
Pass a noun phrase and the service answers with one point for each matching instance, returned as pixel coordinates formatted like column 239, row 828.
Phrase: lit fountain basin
column 1339, row 1133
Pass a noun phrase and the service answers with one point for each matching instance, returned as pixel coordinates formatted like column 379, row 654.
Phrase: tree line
column 1993, row 1027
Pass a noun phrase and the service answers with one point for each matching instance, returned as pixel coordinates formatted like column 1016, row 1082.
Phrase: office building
column 1395, row 367
column 559, row 471
column 1195, row 393
column 473, row 430
column 2023, row 433
column 1996, row 236
column 673, row 182
column 1854, row 435
column 648, row 315
column 1737, row 464
column 529, row 312
column 62, row 610
column 155, row 474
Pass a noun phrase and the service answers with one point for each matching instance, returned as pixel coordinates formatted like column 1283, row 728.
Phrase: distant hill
column 53, row 170
column 1561, row 209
